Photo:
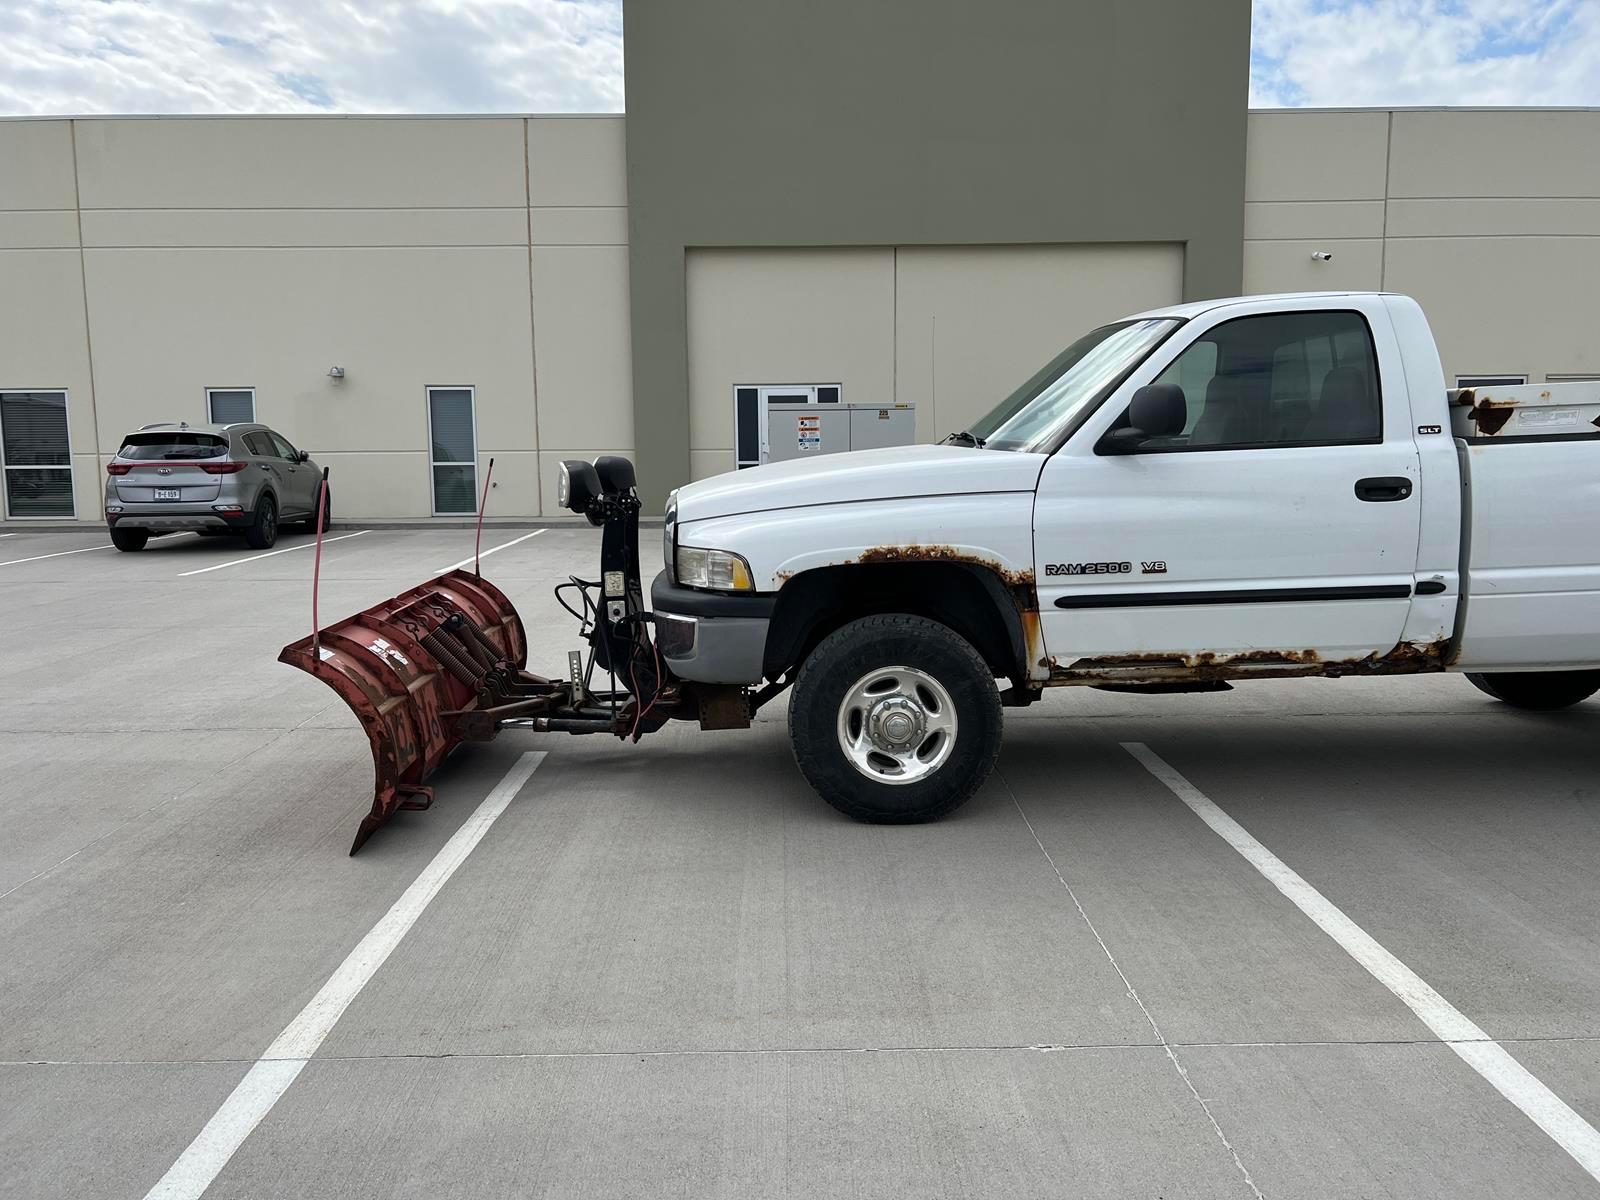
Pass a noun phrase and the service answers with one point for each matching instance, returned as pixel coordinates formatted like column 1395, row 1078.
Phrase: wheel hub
column 896, row 723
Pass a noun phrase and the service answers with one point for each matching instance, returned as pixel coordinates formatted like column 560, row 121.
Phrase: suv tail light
column 117, row 468
column 222, row 468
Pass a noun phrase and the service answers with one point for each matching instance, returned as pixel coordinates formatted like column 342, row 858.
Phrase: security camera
column 1321, row 256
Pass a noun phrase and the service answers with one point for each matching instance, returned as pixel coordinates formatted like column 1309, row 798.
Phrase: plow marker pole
column 477, row 541
column 199, row 1165
column 316, row 566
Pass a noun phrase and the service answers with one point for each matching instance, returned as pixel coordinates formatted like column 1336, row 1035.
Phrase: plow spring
column 445, row 663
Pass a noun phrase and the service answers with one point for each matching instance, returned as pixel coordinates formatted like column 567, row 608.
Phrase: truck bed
column 1531, row 589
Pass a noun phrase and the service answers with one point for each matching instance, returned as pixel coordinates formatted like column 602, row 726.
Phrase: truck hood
column 889, row 474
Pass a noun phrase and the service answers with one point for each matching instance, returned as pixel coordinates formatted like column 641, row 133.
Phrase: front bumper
column 710, row 637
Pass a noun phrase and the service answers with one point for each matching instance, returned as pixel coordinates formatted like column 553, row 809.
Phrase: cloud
column 1400, row 52
column 274, row 56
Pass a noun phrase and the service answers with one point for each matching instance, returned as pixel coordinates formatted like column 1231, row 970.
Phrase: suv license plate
column 169, row 493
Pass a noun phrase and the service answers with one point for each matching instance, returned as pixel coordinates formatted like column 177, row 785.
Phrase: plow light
column 577, row 485
column 718, row 570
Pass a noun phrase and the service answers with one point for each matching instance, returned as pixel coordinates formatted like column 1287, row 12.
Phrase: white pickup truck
column 1256, row 488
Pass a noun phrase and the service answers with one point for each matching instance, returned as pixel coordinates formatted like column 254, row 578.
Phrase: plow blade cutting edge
column 413, row 669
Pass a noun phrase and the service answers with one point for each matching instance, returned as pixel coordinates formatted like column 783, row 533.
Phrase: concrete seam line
column 1470, row 1043
column 234, row 562
column 466, row 562
column 13, row 562
column 1133, row 994
column 282, row 1062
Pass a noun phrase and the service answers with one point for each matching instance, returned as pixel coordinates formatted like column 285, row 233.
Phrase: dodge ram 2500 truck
column 1257, row 488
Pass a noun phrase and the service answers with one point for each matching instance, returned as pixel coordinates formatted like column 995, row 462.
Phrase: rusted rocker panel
column 407, row 668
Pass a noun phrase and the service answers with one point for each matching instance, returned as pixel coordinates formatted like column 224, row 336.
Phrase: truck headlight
column 718, row 570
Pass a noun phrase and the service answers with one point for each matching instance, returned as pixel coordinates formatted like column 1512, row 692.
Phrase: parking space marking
column 13, row 562
column 234, row 562
column 7, row 535
column 283, row 1061
column 467, row 562
column 1474, row 1047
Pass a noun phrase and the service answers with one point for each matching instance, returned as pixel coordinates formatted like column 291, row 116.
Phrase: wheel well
column 967, row 597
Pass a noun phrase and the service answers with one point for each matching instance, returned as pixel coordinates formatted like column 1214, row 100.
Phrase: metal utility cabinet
column 805, row 430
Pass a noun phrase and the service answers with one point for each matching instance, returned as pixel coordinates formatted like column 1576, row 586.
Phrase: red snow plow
column 444, row 663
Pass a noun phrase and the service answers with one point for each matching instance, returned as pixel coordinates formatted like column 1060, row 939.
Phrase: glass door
column 36, row 454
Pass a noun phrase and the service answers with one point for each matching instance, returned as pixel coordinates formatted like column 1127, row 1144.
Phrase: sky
column 441, row 56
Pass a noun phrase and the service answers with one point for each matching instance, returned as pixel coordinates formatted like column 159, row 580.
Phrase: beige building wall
column 144, row 260
column 260, row 252
column 950, row 329
column 1490, row 218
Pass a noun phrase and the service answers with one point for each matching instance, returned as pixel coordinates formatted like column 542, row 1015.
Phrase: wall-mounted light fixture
column 335, row 372
column 1316, row 256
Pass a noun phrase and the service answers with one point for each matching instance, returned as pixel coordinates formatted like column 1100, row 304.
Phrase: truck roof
column 1194, row 309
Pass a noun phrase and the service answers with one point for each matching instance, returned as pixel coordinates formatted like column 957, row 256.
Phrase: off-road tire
column 129, row 540
column 263, row 530
column 1541, row 691
column 901, row 640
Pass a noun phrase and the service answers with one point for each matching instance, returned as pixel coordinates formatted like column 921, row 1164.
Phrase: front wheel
column 129, row 540
column 895, row 719
column 1539, row 690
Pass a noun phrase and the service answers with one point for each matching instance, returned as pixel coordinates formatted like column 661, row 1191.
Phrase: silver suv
column 211, row 478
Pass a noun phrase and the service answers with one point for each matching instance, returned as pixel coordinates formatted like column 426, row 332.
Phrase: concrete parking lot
column 670, row 970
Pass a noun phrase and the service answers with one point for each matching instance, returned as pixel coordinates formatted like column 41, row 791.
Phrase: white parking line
column 234, row 562
column 1480, row 1052
column 8, row 535
column 272, row 1074
column 467, row 562
column 13, row 562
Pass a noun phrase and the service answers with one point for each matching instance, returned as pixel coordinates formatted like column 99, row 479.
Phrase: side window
column 1280, row 379
column 282, row 448
column 257, row 444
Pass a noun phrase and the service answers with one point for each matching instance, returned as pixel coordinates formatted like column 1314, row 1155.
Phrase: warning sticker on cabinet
column 809, row 433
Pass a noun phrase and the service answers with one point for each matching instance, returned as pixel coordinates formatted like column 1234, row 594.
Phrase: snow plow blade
column 415, row 670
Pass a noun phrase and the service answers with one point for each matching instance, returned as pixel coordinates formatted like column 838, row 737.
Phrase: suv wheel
column 263, row 530
column 895, row 719
column 129, row 539
column 1540, row 690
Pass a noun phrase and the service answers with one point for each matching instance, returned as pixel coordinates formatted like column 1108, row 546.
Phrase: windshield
column 170, row 444
column 1038, row 410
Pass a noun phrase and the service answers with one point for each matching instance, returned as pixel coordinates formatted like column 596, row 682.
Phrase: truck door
column 1282, row 518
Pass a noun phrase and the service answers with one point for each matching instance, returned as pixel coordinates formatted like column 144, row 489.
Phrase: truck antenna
column 477, row 545
column 316, row 564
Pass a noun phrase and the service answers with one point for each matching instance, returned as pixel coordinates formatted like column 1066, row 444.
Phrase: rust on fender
column 407, row 668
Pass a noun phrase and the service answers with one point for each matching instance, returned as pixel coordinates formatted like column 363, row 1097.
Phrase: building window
column 231, row 406
column 1478, row 381
column 453, row 436
column 750, row 402
column 1570, row 378
column 36, row 454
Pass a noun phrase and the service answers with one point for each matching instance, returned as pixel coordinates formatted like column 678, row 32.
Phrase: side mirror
column 302, row 456
column 1156, row 410
column 1159, row 409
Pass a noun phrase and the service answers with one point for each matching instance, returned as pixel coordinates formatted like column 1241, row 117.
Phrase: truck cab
column 1250, row 488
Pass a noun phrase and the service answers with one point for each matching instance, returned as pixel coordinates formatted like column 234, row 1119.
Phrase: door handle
column 1380, row 488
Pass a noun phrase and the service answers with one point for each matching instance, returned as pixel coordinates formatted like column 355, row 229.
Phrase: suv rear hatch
column 170, row 465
